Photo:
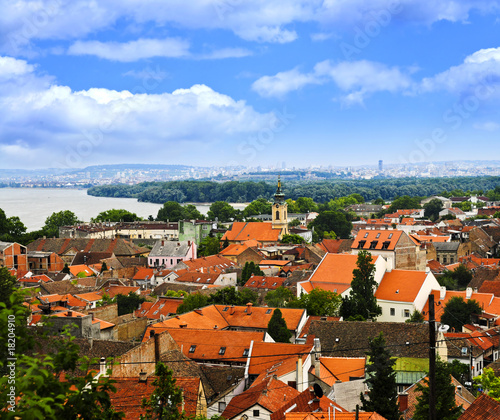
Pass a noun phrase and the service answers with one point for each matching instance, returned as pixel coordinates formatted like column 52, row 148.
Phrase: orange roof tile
column 212, row 261
column 76, row 269
column 484, row 299
column 130, row 393
column 378, row 238
column 270, row 394
column 164, row 306
column 259, row 231
column 144, row 273
column 265, row 355
column 278, row 263
column 401, row 285
column 336, row 268
column 234, row 249
column 90, row 297
column 342, row 369
column 263, row 282
column 113, row 290
column 338, row 416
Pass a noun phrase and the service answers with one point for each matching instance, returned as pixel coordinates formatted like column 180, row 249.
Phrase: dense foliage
column 319, row 191
column 116, row 215
column 128, row 304
column 458, row 312
column 381, row 381
column 278, row 329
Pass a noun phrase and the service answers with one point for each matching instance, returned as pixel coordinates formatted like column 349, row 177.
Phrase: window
column 390, row 236
column 222, row 406
column 444, row 259
column 225, row 309
column 406, row 313
column 222, row 350
column 268, row 311
column 192, row 348
column 378, row 236
column 464, row 351
column 246, row 352
column 373, row 244
column 256, row 413
column 366, row 235
column 393, row 311
column 385, row 245
column 361, row 244
column 277, row 218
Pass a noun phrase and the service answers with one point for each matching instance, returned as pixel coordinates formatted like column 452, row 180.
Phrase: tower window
column 277, row 215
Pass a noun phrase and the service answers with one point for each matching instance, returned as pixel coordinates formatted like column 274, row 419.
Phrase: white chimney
column 300, row 385
column 102, row 366
column 442, row 292
column 468, row 293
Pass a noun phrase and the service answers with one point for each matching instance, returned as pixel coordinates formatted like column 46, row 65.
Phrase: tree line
column 319, row 191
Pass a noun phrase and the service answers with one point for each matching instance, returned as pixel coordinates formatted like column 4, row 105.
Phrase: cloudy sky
column 248, row 82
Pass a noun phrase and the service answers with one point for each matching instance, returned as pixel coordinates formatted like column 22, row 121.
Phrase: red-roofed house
column 334, row 273
column 161, row 309
column 262, row 282
column 403, row 291
column 241, row 254
column 259, row 231
column 131, row 391
column 400, row 251
column 260, row 400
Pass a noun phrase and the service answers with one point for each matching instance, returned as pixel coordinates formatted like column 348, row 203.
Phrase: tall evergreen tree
column 278, row 329
column 361, row 300
column 446, row 406
column 381, row 381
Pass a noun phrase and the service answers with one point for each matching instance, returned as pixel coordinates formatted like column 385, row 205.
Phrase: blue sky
column 237, row 82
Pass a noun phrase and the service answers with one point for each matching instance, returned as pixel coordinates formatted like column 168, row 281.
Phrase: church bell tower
column 279, row 210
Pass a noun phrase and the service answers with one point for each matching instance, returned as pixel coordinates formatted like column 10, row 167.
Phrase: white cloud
column 10, row 67
column 78, row 127
column 356, row 79
column 148, row 73
column 479, row 70
column 132, row 50
column 23, row 21
column 282, row 83
column 225, row 53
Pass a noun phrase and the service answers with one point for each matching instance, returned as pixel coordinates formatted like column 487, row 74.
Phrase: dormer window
column 390, row 236
column 464, row 351
column 192, row 348
column 222, row 350
column 366, row 235
column 268, row 311
column 246, row 352
column 361, row 244
column 373, row 244
column 378, row 236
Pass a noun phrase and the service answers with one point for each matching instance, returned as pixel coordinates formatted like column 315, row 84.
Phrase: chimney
column 299, row 374
column 442, row 292
column 162, row 243
column 93, row 315
column 468, row 293
column 157, row 348
column 403, row 402
column 249, row 308
column 102, row 366
column 143, row 377
column 189, row 243
column 317, row 351
column 231, row 311
column 70, row 313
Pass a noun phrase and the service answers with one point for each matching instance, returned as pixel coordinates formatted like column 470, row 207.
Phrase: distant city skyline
column 288, row 83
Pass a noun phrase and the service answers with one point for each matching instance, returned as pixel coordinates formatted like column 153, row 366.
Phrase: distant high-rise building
column 380, row 165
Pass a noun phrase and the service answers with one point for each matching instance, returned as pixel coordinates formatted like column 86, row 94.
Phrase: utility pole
column 432, row 360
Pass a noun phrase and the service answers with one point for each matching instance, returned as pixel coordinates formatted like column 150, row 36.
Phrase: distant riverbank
column 34, row 205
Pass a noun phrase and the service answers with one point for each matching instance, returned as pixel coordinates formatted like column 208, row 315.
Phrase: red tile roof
column 212, row 261
column 114, row 290
column 265, row 355
column 130, row 392
column 335, row 369
column 144, row 273
column 164, row 306
column 76, row 269
column 270, row 395
column 262, row 282
column 278, row 263
column 484, row 408
column 401, row 285
column 259, row 231
column 378, row 238
column 338, row 416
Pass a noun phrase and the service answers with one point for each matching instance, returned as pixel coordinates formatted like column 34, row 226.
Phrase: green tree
column 256, row 207
column 172, row 211
column 278, row 329
column 458, row 312
column 116, row 215
column 446, row 407
column 497, row 215
column 404, row 202
column 456, row 279
column 58, row 219
column 432, row 209
column 489, row 382
column 166, row 400
column 306, row 205
column 222, row 211
column 292, row 239
column 192, row 213
column 459, row 370
column 249, row 269
column 416, row 316
column 381, row 381
column 335, row 221
column 294, row 222
column 279, row 297
column 361, row 300
column 191, row 302
column 11, row 229
column 7, row 285
column 129, row 303
column 230, row 296
column 318, row 302
column 210, row 245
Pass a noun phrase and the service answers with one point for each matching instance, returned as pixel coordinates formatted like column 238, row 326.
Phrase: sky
column 248, row 82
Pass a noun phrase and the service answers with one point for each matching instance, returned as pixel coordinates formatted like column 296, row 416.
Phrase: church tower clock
column 279, row 210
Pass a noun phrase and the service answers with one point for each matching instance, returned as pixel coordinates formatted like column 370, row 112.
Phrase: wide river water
column 34, row 205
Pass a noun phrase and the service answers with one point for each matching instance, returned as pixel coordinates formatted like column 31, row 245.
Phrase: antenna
column 443, row 328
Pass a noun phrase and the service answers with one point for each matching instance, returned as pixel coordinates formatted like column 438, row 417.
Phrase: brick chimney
column 317, row 355
column 403, row 402
column 249, row 308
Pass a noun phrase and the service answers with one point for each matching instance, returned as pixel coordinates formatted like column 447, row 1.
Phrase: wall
column 142, row 357
column 15, row 256
column 106, row 313
column 131, row 329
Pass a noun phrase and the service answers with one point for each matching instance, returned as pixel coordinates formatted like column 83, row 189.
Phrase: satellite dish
column 443, row 328
column 318, row 391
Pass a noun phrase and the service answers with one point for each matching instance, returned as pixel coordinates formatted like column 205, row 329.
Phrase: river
column 34, row 205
